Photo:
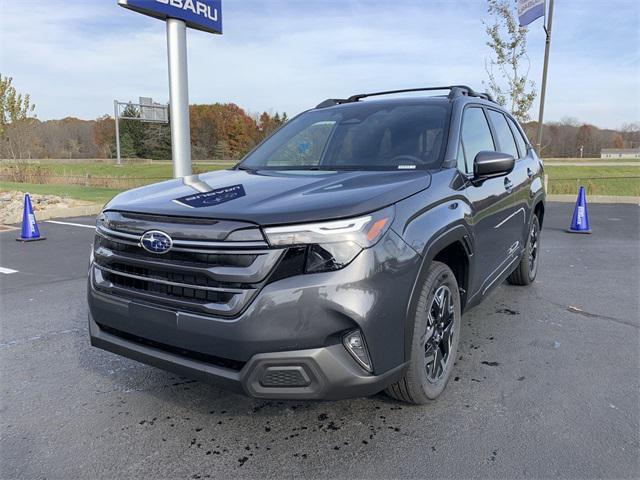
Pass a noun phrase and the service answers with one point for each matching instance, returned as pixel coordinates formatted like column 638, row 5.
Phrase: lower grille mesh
column 202, row 357
column 283, row 378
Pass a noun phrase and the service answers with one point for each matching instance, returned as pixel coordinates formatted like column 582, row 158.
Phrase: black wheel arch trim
column 539, row 198
column 457, row 233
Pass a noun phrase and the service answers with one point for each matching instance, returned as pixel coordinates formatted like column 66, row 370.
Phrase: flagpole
column 543, row 90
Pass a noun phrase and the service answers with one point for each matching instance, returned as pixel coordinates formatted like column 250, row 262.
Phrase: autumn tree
column 104, row 135
column 267, row 123
column 631, row 134
column 508, row 66
column 586, row 139
column 17, row 121
column 226, row 131
column 617, row 141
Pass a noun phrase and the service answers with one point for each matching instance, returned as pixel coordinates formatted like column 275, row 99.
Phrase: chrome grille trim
column 115, row 235
column 107, row 232
column 197, row 243
column 167, row 282
column 116, row 239
column 231, row 308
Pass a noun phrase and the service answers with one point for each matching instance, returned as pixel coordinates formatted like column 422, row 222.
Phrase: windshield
column 359, row 137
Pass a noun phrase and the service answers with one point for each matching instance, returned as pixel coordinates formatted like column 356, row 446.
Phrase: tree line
column 570, row 138
column 218, row 131
column 222, row 131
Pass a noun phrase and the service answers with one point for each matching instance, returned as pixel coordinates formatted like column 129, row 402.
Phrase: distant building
column 620, row 153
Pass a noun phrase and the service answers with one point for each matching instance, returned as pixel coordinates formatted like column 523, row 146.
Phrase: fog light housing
column 355, row 345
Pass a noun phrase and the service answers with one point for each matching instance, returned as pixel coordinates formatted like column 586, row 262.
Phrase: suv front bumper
column 288, row 343
column 327, row 373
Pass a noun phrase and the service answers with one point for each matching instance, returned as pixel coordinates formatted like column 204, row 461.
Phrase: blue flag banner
column 529, row 11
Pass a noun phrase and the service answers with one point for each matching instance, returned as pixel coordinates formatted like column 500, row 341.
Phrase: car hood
column 270, row 197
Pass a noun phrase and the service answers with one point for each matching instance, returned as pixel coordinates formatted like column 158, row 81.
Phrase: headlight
column 334, row 244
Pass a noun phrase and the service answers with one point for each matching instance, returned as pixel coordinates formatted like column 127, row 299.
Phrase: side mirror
column 492, row 164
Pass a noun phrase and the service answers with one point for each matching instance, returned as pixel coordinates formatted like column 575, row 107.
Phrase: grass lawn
column 562, row 179
column 153, row 171
column 617, row 181
column 592, row 160
column 78, row 192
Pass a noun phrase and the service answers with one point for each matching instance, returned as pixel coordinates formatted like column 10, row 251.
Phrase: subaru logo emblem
column 155, row 241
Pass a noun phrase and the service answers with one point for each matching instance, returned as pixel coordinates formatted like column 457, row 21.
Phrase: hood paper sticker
column 212, row 198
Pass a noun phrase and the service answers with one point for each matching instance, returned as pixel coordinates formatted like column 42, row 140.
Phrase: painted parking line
column 7, row 271
column 71, row 224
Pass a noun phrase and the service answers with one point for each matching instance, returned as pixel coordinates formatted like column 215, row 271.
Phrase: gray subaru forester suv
column 335, row 260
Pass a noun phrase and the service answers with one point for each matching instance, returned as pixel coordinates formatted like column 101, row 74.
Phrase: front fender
column 428, row 232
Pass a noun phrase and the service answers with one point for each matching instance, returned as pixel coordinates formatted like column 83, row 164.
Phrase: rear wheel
column 435, row 338
column 527, row 269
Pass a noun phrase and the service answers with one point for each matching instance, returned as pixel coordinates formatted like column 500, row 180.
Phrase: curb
column 595, row 199
column 62, row 212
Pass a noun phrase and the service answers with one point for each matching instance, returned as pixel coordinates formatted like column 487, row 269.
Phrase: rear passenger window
column 476, row 135
column 522, row 144
column 503, row 132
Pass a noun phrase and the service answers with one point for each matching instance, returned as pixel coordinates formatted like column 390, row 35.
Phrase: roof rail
column 454, row 91
column 331, row 102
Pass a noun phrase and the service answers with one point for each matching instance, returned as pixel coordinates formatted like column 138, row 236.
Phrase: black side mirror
column 492, row 164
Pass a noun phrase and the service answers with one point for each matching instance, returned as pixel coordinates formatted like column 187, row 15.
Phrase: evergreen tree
column 132, row 133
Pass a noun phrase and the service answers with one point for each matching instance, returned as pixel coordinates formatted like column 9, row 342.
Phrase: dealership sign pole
column 528, row 11
column 204, row 15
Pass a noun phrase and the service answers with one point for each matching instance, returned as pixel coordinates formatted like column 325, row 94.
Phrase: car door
column 520, row 180
column 527, row 175
column 492, row 204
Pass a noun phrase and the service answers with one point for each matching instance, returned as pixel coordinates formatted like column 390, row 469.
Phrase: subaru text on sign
column 205, row 15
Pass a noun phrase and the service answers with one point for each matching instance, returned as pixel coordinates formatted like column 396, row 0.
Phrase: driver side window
column 475, row 136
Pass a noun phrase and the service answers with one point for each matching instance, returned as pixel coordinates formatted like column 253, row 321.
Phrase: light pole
column 116, row 116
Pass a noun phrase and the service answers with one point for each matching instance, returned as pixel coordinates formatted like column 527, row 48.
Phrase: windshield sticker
column 214, row 197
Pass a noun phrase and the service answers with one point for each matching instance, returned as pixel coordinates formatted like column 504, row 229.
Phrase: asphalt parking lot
column 546, row 384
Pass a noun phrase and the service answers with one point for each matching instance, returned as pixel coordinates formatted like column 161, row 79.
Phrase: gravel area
column 12, row 204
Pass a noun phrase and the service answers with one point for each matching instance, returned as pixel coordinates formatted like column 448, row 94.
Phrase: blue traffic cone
column 30, row 231
column 580, row 220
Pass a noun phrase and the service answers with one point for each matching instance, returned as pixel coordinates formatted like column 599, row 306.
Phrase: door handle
column 507, row 184
column 529, row 173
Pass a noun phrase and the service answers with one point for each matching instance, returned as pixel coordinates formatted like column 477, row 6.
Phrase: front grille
column 199, row 274
column 193, row 259
column 184, row 293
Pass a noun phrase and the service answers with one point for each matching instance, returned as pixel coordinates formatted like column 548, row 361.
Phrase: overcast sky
column 75, row 56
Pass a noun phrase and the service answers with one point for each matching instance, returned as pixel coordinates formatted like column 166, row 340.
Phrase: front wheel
column 527, row 269
column 435, row 338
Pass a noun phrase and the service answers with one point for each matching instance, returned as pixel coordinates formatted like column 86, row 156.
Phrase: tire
column 422, row 382
column 526, row 271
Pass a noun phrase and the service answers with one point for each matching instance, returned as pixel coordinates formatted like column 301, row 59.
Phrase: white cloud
column 288, row 55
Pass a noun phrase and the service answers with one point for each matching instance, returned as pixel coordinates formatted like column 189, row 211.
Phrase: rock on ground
column 44, row 206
